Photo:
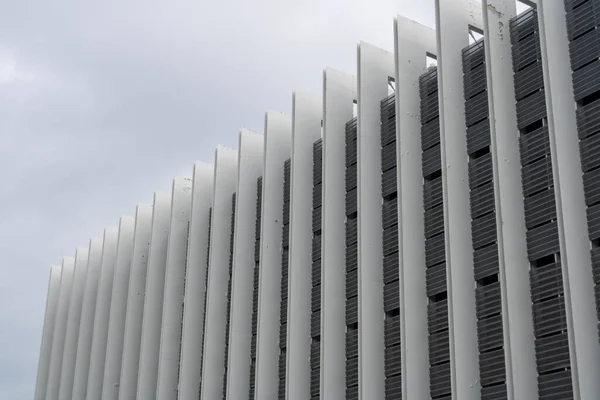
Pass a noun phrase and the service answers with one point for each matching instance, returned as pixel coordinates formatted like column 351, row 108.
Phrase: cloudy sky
column 103, row 102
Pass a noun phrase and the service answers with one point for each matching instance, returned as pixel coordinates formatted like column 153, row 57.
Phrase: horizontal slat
column 436, row 279
column 485, row 261
column 487, row 300
column 437, row 316
column 480, row 170
column 492, row 367
column 435, row 250
column 586, row 80
column 482, row 200
column 432, row 193
column 439, row 347
column 388, row 182
column 531, row 109
column 540, row 208
column 537, row 176
column 546, row 282
column 534, row 145
column 391, row 296
column 390, row 268
column 549, row 316
column 542, row 241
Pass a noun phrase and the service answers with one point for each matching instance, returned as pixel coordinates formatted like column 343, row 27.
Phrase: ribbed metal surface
column 228, row 311
column 549, row 321
column 255, row 287
column 583, row 19
column 205, row 295
column 283, row 307
column 351, row 262
column 315, row 352
column 492, row 367
column 435, row 257
column 389, row 219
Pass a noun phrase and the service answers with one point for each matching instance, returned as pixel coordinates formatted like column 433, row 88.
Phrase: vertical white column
column 60, row 327
column 86, row 326
column 195, row 283
column 98, row 348
column 118, row 308
column 218, row 274
column 153, row 303
column 135, row 297
column 571, row 213
column 339, row 93
column 306, row 129
column 453, row 18
column 250, row 167
column 519, row 347
column 172, row 318
column 375, row 66
column 278, row 140
column 413, row 42
column 48, row 332
column 74, row 320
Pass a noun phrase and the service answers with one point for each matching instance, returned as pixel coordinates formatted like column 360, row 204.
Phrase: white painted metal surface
column 195, row 283
column 74, row 321
column 278, row 142
column 60, row 328
column 213, row 369
column 135, row 298
column 153, row 302
column 521, row 382
column 307, row 112
column 339, row 94
column 48, row 332
column 194, row 288
column 100, row 335
column 375, row 67
column 250, row 167
column 172, row 318
column 86, row 326
column 413, row 42
column 453, row 19
column 118, row 308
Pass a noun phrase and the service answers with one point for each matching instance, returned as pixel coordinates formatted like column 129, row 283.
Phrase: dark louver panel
column 255, row 287
column 540, row 212
column 205, row 291
column 283, row 307
column 583, row 20
column 389, row 220
column 315, row 329
column 435, row 249
column 483, row 221
column 228, row 311
column 351, row 262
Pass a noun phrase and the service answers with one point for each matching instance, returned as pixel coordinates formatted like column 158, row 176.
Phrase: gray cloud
column 101, row 103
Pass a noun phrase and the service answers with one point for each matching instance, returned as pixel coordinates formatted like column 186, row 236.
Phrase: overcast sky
column 103, row 102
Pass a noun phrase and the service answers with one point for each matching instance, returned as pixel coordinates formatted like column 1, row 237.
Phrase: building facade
column 422, row 230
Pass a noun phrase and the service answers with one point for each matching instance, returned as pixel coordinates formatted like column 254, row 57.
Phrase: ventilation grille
column 205, row 295
column 435, row 253
column 549, row 321
column 315, row 329
column 389, row 219
column 583, row 18
column 283, row 309
column 492, row 366
column 253, row 329
column 351, row 263
column 228, row 311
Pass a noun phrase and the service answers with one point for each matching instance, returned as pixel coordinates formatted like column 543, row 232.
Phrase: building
column 414, row 232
